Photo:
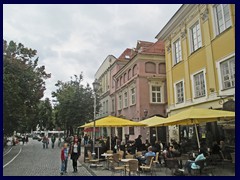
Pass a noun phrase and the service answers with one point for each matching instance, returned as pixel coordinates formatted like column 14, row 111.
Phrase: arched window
column 129, row 74
column 162, row 68
column 134, row 70
column 125, row 77
column 150, row 67
column 121, row 80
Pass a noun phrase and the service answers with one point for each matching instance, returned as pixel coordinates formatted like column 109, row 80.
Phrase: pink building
column 138, row 87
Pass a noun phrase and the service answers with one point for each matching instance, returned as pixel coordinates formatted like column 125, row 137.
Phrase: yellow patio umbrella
column 152, row 121
column 194, row 116
column 112, row 121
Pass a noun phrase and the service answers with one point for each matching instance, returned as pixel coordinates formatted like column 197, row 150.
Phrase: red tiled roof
column 142, row 45
column 155, row 48
column 127, row 54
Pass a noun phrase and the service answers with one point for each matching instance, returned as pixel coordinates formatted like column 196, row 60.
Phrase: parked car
column 37, row 137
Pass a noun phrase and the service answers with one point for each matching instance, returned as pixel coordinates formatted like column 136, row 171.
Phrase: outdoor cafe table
column 125, row 165
column 107, row 156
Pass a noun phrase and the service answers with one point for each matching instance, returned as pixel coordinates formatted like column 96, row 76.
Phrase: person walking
column 44, row 141
column 26, row 139
column 64, row 158
column 53, row 139
column 75, row 152
column 85, row 139
column 59, row 141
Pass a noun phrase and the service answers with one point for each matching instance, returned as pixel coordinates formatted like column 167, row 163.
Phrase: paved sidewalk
column 227, row 170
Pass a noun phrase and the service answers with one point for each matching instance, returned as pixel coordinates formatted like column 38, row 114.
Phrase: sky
column 75, row 38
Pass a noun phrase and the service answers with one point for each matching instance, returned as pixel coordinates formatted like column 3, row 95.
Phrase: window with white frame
column 195, row 37
column 125, row 99
column 199, row 85
column 177, row 51
column 179, row 92
column 156, row 94
column 228, row 73
column 120, row 102
column 133, row 96
column 222, row 18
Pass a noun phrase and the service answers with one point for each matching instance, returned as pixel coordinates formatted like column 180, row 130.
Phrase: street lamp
column 95, row 89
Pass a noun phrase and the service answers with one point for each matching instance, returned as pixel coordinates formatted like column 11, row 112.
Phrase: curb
column 89, row 170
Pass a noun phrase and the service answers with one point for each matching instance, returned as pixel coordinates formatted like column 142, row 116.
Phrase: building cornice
column 177, row 19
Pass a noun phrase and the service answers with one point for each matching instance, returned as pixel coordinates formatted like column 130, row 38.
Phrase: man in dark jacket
column 138, row 143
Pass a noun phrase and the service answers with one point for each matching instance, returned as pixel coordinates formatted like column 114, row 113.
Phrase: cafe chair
column 132, row 167
column 148, row 167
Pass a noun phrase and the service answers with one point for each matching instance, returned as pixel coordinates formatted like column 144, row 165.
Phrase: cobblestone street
column 32, row 160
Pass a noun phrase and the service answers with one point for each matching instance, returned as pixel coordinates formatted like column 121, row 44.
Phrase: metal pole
column 94, row 125
column 196, row 130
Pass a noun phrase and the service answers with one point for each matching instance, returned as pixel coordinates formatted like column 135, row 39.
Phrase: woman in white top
column 75, row 151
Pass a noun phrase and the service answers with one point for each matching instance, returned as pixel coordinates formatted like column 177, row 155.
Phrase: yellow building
column 200, row 57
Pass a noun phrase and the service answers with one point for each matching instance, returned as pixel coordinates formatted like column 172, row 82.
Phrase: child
column 64, row 158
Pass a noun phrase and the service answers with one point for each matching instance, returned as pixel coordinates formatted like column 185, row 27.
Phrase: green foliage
column 45, row 119
column 74, row 103
column 23, row 87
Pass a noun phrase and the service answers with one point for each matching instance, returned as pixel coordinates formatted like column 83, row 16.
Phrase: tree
column 74, row 103
column 45, row 119
column 23, row 87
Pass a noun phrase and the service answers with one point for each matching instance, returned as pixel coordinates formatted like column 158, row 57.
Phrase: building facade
column 200, row 58
column 139, row 87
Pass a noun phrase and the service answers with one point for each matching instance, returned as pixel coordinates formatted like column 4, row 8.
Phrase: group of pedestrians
column 70, row 150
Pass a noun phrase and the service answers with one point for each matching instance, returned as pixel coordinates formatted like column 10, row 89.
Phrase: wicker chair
column 148, row 166
column 91, row 160
column 156, row 161
column 132, row 167
column 115, row 164
column 129, row 156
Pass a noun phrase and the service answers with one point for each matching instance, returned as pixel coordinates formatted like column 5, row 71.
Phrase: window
column 228, row 73
column 134, row 70
column 121, row 80
column 150, row 67
column 129, row 74
column 120, row 102
column 103, row 107
column 133, row 96
column 156, row 94
column 179, row 92
column 113, row 105
column 222, row 18
column 195, row 37
column 177, row 52
column 125, row 100
column 131, row 130
column 125, row 77
column 106, row 106
column 199, row 85
column 162, row 68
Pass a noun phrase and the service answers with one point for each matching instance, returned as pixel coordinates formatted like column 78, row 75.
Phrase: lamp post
column 95, row 89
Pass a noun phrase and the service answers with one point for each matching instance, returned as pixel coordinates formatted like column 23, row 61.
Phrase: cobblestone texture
column 36, row 161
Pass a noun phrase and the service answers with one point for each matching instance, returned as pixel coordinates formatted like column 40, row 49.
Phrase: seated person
column 216, row 150
column 169, row 155
column 192, row 164
column 143, row 160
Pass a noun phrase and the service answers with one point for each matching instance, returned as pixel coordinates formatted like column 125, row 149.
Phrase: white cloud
column 71, row 39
